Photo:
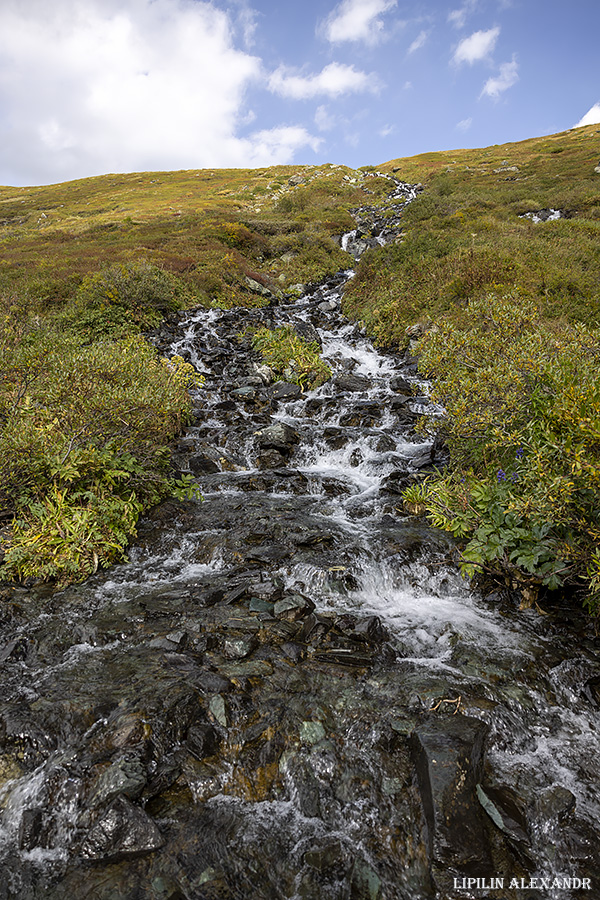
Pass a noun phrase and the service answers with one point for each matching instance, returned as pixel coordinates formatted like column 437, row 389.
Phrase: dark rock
column 335, row 437
column 200, row 464
column 279, row 436
column 293, row 607
column 126, row 776
column 15, row 650
column 122, row 832
column 314, row 628
column 30, row 828
column 448, row 754
column 202, row 740
column 308, row 332
column 396, row 482
column 503, row 807
column 271, row 459
column 238, row 647
column 293, row 651
column 346, row 656
column 401, row 385
column 421, row 458
column 370, row 630
column 352, row 382
column 591, row 690
column 284, row 391
column 213, row 683
column 556, row 804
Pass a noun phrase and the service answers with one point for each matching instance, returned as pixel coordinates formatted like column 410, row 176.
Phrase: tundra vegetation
column 509, row 309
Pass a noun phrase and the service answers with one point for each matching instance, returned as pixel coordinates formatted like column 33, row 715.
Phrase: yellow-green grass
column 464, row 236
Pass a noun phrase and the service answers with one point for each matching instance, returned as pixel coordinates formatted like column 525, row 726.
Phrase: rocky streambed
column 289, row 692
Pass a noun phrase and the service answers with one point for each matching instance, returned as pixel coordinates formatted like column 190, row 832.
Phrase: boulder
column 279, row 436
column 282, row 390
column 293, row 607
column 352, row 383
column 125, row 776
column 448, row 755
column 123, row 831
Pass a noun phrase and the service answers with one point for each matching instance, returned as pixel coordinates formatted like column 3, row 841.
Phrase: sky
column 89, row 87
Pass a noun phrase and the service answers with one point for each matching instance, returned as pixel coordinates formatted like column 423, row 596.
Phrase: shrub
column 83, row 450
column 523, row 426
column 126, row 297
column 291, row 357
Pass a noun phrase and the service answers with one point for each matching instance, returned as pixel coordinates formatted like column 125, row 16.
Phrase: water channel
column 289, row 692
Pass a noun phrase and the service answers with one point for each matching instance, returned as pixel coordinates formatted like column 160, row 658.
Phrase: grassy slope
column 210, row 228
column 207, row 238
column 463, row 236
column 86, row 410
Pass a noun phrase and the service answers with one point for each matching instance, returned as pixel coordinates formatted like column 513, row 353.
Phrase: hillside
column 506, row 303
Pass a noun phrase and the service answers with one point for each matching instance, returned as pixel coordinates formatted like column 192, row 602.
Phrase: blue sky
column 95, row 86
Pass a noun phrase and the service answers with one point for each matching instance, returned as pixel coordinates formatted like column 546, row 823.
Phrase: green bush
column 522, row 399
column 83, row 448
column 291, row 357
column 125, row 298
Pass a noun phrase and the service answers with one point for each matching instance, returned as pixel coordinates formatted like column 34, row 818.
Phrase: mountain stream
column 289, row 692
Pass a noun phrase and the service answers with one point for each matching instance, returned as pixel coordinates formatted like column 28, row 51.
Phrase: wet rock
column 503, row 807
column 308, row 332
column 556, row 804
column 30, row 828
column 352, row 383
column 122, row 832
column 279, row 436
column 448, row 755
column 367, row 630
column 202, row 740
column 346, row 656
column 314, row 628
column 238, row 647
column 301, row 783
column 335, row 438
column 283, row 390
column 401, row 385
column 396, row 482
column 591, row 690
column 362, row 415
column 271, row 459
column 293, row 607
column 213, row 683
column 125, row 776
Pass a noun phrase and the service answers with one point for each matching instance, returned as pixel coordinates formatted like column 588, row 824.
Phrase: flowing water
column 289, row 691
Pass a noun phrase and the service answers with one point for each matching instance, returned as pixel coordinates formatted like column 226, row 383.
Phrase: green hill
column 507, row 307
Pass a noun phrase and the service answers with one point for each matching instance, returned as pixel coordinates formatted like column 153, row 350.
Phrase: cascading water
column 256, row 704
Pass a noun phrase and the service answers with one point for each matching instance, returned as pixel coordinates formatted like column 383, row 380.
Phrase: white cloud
column 282, row 142
column 93, row 86
column 509, row 75
column 357, row 20
column 419, row 41
column 332, row 81
column 592, row 117
column 458, row 17
column 387, row 130
column 324, row 119
column 464, row 124
column 476, row 47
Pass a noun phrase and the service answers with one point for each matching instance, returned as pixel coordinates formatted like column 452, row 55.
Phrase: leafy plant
column 83, row 448
column 291, row 357
column 523, row 426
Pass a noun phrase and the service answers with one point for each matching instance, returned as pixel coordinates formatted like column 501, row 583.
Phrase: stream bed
column 289, row 692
